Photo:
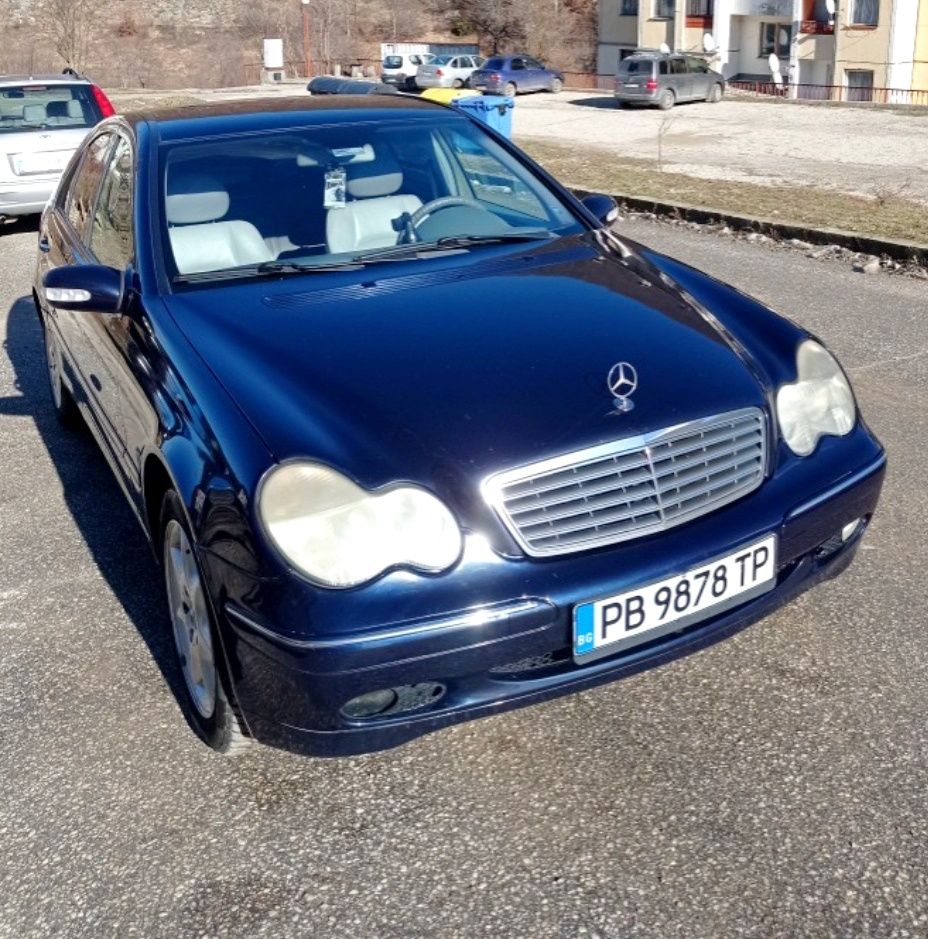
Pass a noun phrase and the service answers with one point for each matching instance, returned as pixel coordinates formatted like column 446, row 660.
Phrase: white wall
column 901, row 63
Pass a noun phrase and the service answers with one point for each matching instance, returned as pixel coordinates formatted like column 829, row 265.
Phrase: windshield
column 393, row 61
column 494, row 63
column 338, row 194
column 42, row 107
column 441, row 60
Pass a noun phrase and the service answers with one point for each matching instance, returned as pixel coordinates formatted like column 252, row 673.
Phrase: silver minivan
column 666, row 79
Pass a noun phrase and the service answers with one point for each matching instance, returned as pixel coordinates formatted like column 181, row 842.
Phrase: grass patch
column 125, row 101
column 890, row 217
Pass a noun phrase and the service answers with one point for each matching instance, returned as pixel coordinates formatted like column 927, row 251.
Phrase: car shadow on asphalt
column 92, row 495
column 603, row 102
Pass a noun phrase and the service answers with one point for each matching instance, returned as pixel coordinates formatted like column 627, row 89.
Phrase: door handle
column 44, row 244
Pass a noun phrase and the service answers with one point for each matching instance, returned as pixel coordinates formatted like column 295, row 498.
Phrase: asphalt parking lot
column 773, row 785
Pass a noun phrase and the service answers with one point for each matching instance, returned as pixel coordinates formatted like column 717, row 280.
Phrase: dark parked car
column 666, row 80
column 515, row 74
column 415, row 436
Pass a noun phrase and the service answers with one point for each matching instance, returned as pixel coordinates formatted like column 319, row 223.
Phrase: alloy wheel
column 190, row 619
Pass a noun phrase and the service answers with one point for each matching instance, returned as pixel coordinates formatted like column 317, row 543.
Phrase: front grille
column 631, row 487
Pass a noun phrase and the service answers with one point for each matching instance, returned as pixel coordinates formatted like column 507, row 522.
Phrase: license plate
column 604, row 627
column 29, row 164
column 631, row 84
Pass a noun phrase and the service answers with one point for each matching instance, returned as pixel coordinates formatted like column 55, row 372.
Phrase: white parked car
column 43, row 119
column 400, row 68
column 448, row 71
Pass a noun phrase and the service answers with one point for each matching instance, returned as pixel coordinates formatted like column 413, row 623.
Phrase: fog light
column 849, row 530
column 370, row 704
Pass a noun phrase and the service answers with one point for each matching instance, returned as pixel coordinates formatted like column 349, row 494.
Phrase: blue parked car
column 511, row 75
column 414, row 435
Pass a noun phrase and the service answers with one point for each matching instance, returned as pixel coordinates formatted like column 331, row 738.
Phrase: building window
column 628, row 8
column 664, row 9
column 865, row 12
column 699, row 8
column 859, row 85
column 775, row 38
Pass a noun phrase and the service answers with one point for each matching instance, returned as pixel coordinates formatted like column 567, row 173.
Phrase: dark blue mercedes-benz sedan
column 414, row 435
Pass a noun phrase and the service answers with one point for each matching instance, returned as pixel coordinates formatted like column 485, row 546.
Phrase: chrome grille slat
column 633, row 487
column 574, row 476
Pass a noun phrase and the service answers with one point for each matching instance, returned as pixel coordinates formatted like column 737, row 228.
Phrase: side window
column 111, row 230
column 697, row 66
column 663, row 67
column 86, row 182
column 533, row 63
column 677, row 67
column 491, row 181
column 517, row 64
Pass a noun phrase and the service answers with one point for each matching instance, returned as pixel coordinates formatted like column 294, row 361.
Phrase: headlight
column 342, row 535
column 819, row 402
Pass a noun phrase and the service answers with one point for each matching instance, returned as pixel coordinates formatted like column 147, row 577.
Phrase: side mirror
column 90, row 287
column 602, row 206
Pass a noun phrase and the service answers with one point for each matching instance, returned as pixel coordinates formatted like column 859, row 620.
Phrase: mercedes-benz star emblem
column 622, row 382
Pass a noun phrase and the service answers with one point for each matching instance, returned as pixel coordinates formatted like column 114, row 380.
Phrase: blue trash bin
column 493, row 110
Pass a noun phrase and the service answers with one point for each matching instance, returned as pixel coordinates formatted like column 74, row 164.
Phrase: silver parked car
column 43, row 119
column 666, row 79
column 448, row 71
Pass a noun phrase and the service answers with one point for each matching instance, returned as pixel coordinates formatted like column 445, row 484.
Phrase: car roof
column 180, row 122
column 58, row 79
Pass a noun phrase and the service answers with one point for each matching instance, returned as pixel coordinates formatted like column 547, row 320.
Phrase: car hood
column 443, row 371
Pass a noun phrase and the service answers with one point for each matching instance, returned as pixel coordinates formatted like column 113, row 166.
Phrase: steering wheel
column 436, row 205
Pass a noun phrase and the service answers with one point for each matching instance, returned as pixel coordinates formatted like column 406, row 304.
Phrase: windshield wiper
column 266, row 267
column 448, row 243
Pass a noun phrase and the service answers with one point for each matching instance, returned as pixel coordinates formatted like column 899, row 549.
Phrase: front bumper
column 509, row 649
column 26, row 197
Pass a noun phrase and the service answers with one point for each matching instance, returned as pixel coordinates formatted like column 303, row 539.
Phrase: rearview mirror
column 90, row 287
column 602, row 206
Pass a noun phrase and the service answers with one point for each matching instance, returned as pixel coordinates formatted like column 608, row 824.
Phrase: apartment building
column 858, row 44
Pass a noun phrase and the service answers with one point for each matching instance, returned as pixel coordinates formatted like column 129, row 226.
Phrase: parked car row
column 505, row 75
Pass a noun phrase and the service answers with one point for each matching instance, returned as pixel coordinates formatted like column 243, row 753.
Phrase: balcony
column 817, row 27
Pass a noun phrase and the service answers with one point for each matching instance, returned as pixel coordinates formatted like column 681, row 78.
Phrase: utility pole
column 307, row 54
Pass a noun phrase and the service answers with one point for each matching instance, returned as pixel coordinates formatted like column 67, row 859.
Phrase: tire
column 206, row 696
column 557, row 86
column 510, row 90
column 667, row 100
column 457, row 83
column 65, row 407
column 410, row 84
column 715, row 94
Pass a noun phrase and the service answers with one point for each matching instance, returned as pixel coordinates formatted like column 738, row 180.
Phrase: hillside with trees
column 205, row 43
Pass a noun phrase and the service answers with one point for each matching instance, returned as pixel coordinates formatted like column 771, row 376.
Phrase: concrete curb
column 781, row 231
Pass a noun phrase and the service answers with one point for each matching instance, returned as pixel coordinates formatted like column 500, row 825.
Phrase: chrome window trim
column 493, row 485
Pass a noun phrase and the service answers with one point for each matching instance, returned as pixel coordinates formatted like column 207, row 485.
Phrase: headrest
column 34, row 113
column 194, row 199
column 381, row 176
column 75, row 109
column 57, row 109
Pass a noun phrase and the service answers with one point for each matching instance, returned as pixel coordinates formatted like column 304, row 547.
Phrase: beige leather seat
column 200, row 240
column 367, row 221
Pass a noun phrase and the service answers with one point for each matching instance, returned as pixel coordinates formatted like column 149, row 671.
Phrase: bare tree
column 67, row 25
column 498, row 23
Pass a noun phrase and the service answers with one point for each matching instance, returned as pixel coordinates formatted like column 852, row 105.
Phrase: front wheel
column 557, row 86
column 65, row 408
column 510, row 90
column 715, row 94
column 206, row 701
column 667, row 100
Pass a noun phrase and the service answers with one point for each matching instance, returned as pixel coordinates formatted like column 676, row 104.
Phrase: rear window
column 636, row 66
column 393, row 61
column 441, row 60
column 45, row 107
column 494, row 63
